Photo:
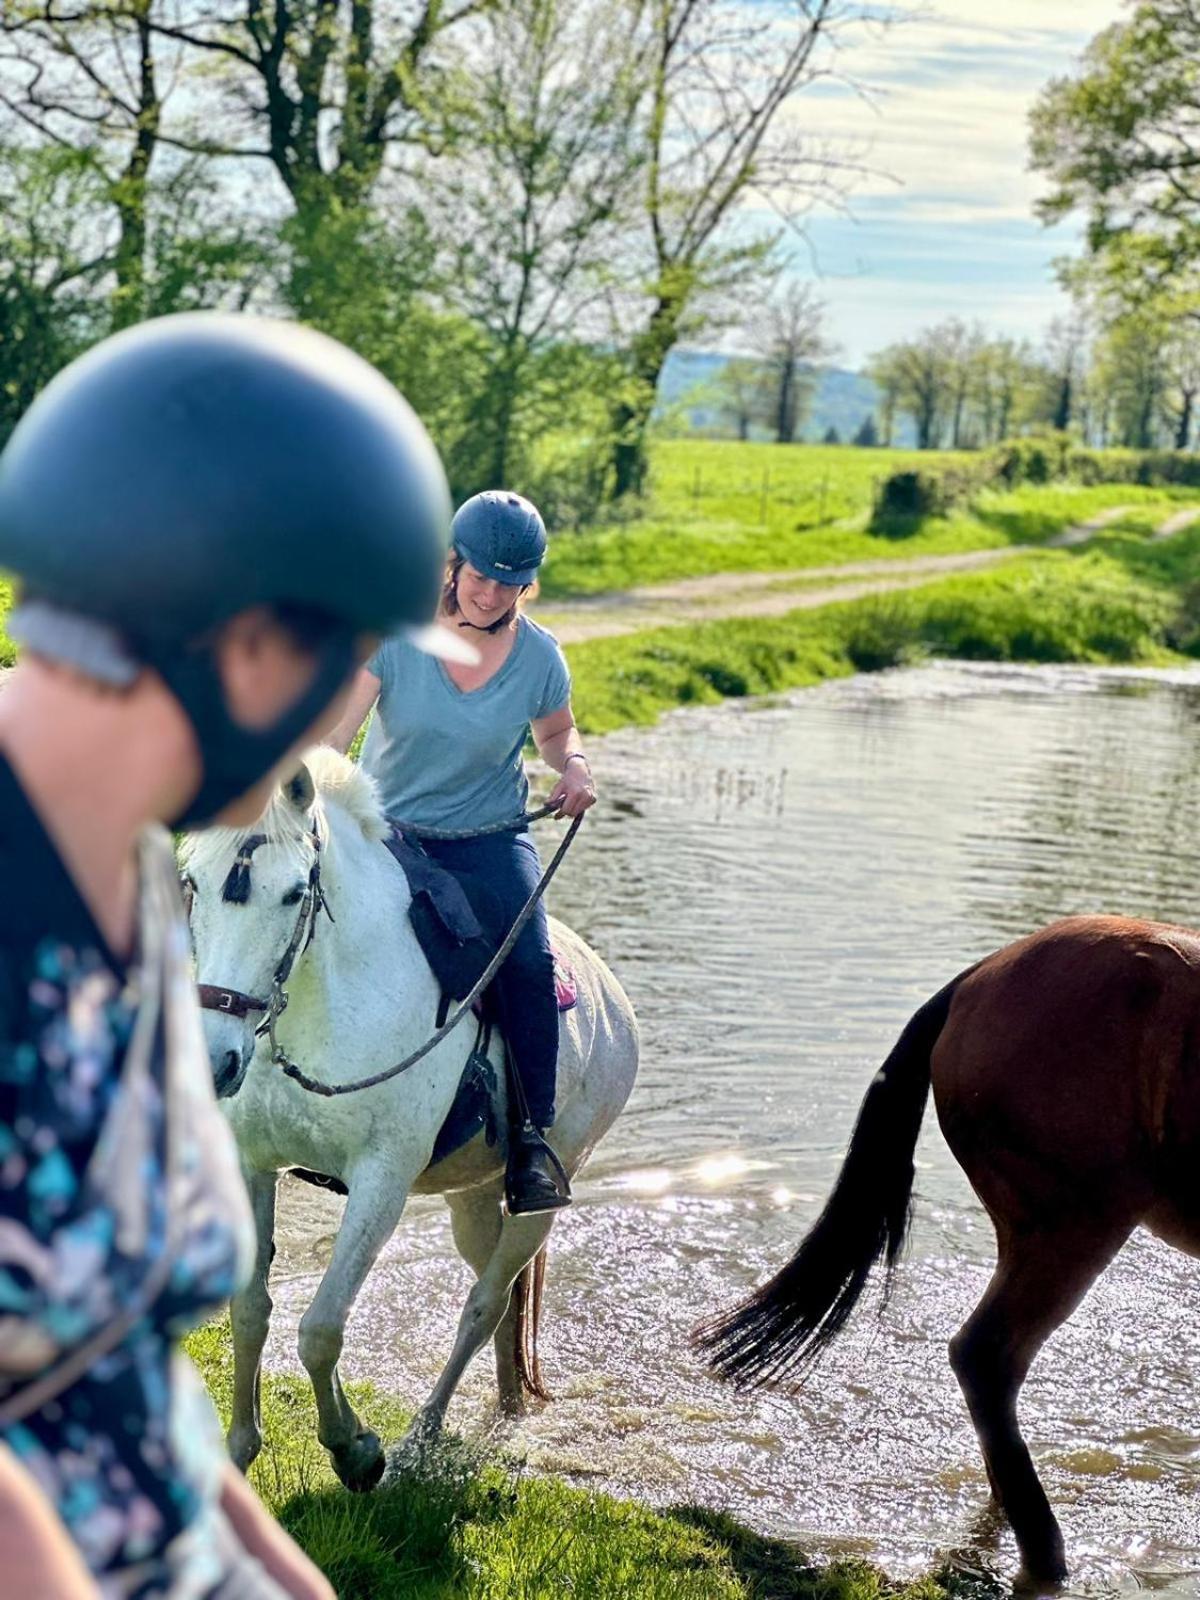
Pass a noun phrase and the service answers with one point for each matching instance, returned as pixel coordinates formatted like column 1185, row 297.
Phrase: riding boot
column 535, row 1179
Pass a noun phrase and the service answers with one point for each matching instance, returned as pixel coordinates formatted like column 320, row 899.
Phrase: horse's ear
column 300, row 789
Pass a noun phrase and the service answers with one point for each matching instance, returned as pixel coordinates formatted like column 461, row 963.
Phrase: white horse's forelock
column 337, row 780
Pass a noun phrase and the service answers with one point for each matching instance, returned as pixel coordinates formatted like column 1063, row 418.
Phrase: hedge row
column 904, row 498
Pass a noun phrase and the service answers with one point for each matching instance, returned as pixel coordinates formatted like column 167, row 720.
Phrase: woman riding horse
column 167, row 506
column 445, row 748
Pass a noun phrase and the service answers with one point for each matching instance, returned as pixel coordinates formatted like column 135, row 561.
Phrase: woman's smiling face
column 483, row 601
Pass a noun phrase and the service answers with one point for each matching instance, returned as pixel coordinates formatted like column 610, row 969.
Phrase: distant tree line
column 516, row 209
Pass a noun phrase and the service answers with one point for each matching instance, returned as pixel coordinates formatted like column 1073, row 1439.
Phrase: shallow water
column 778, row 887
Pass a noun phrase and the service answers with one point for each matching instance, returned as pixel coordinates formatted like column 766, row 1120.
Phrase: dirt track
column 772, row 594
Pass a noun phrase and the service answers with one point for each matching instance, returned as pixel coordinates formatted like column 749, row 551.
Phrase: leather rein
column 232, row 1002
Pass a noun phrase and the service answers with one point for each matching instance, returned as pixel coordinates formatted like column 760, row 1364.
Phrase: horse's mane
column 337, row 780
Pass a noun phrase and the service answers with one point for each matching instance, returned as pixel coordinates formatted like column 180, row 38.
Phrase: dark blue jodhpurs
column 507, row 865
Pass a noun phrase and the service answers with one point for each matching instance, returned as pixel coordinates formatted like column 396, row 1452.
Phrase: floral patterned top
column 118, row 1187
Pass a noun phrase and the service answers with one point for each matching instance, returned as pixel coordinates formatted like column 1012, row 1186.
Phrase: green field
column 721, row 506
column 476, row 1526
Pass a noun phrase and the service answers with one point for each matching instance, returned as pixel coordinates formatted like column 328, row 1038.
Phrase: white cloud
column 948, row 142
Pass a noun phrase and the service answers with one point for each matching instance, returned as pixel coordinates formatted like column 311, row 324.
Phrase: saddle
column 460, row 926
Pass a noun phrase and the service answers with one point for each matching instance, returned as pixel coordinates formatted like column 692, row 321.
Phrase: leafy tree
column 319, row 91
column 719, row 74
column 790, row 339
column 867, row 435
column 743, row 392
column 87, row 78
column 529, row 211
column 1120, row 141
column 831, row 436
column 52, row 304
column 1131, row 366
column 917, row 373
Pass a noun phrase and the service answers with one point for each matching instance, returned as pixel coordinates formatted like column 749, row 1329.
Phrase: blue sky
column 944, row 226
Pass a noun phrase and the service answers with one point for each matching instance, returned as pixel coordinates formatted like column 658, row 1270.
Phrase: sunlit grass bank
column 1127, row 602
column 725, row 507
column 473, row 1526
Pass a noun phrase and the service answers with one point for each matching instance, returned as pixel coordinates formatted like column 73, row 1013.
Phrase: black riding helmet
column 198, row 465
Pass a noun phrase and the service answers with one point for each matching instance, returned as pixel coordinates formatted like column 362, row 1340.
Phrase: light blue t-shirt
column 445, row 758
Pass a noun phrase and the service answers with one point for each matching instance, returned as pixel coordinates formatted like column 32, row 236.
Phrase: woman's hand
column 574, row 792
column 264, row 1539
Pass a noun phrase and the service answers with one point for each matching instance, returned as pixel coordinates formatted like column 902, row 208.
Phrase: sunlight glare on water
column 779, row 887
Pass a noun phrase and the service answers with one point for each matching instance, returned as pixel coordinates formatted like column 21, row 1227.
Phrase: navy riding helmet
column 194, row 466
column 502, row 535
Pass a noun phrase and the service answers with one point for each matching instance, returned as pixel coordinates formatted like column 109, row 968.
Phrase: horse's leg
column 476, row 1217
column 250, row 1314
column 373, row 1209
column 1039, row 1280
column 487, row 1308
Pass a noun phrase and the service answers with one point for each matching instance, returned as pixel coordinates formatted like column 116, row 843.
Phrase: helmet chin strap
column 491, row 627
column 236, row 758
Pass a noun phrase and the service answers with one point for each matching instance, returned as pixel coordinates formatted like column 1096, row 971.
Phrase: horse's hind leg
column 250, row 1315
column 488, row 1308
column 476, row 1217
column 1039, row 1280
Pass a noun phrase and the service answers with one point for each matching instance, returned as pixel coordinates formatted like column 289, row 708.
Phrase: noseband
column 232, row 1002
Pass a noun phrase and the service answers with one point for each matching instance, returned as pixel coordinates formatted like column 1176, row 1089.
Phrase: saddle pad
column 565, row 985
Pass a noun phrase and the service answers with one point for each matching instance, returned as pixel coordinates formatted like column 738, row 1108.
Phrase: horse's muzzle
column 228, row 1074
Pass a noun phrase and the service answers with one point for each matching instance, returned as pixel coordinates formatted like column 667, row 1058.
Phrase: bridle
column 233, row 1002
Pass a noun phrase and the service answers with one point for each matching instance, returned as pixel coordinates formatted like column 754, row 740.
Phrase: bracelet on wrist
column 577, row 755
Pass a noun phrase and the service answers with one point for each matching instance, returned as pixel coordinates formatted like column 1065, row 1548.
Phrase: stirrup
column 544, row 1194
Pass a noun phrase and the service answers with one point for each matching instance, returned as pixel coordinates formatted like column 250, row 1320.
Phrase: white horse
column 361, row 997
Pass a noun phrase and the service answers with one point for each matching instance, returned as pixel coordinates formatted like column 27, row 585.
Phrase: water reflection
column 779, row 887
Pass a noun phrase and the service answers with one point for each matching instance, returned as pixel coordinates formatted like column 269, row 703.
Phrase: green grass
column 707, row 512
column 470, row 1527
column 1125, row 602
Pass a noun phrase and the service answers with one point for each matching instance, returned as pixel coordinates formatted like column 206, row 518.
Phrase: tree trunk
column 1183, row 428
column 631, row 416
column 785, row 410
column 129, row 194
column 1062, row 411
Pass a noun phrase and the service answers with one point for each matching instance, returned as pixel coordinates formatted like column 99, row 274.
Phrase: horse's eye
column 189, row 895
column 294, row 895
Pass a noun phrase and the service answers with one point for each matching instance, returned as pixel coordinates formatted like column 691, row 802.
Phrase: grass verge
column 719, row 506
column 474, row 1527
column 1126, row 602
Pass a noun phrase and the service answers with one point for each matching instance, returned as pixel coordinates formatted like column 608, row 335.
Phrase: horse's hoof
column 1044, row 1575
column 243, row 1447
column 359, row 1465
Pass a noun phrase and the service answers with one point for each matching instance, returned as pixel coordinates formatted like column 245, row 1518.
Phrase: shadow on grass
column 774, row 1569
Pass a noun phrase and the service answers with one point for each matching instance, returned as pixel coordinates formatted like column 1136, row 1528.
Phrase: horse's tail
column 787, row 1323
column 527, row 1300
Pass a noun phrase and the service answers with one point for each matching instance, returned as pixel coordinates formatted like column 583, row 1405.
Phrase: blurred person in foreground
column 211, row 521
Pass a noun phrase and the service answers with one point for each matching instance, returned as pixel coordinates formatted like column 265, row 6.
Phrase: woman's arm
column 364, row 692
column 265, row 1540
column 37, row 1556
column 560, row 747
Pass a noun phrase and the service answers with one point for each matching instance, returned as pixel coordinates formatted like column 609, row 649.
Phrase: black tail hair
column 787, row 1324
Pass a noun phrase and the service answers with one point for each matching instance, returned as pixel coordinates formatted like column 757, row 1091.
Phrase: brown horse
column 1066, row 1074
